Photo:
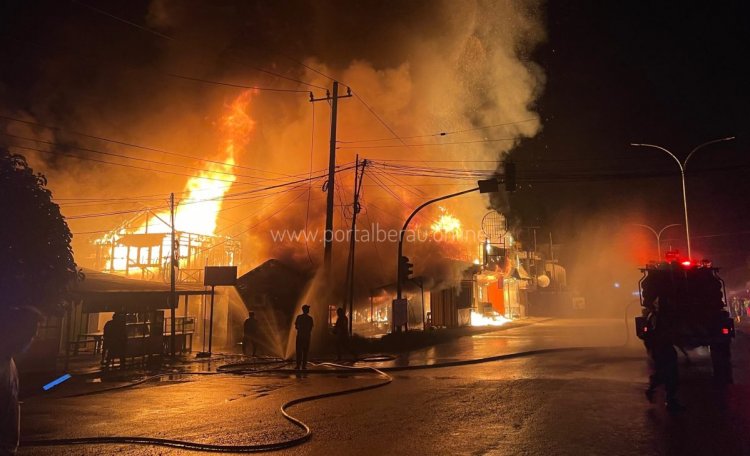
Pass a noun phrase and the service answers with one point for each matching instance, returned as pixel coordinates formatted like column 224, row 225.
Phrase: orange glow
column 495, row 319
column 447, row 224
column 196, row 212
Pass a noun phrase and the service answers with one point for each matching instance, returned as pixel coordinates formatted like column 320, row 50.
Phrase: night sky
column 614, row 73
column 643, row 72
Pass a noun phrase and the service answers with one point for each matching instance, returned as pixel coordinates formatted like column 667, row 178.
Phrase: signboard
column 220, row 275
column 399, row 312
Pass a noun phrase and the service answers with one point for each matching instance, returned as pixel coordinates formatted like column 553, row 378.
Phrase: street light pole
column 658, row 235
column 682, row 165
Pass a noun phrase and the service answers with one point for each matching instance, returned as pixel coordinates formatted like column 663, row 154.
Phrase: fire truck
column 691, row 298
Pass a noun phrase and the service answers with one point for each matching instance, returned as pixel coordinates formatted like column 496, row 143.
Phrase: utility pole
column 172, row 279
column 358, row 177
column 330, row 187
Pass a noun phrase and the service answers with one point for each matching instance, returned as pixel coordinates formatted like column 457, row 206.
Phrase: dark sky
column 667, row 73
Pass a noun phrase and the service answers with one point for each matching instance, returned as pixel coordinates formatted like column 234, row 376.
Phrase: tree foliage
column 36, row 259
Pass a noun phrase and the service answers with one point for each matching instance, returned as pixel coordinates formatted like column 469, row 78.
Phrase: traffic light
column 405, row 269
column 510, row 176
column 488, row 185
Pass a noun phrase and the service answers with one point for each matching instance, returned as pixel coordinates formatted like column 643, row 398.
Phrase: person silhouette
column 108, row 342
column 304, row 325
column 341, row 331
column 250, row 336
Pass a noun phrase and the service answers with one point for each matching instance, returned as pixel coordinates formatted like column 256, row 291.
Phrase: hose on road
column 255, row 448
column 236, row 368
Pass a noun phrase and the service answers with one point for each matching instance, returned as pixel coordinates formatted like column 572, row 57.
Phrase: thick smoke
column 422, row 66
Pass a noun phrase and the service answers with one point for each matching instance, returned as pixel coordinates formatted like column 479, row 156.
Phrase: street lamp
column 658, row 235
column 682, row 165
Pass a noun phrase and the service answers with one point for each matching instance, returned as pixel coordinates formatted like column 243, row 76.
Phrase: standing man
column 250, row 336
column 341, row 331
column 108, row 341
column 304, row 325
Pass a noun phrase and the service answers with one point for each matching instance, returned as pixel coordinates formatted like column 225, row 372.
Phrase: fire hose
column 238, row 368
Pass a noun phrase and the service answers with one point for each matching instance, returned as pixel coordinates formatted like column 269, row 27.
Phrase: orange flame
column 198, row 211
column 447, row 224
column 205, row 191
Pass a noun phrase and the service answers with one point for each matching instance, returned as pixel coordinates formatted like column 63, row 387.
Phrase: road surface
column 587, row 402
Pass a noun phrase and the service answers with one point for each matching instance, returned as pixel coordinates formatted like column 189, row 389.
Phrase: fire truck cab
column 690, row 298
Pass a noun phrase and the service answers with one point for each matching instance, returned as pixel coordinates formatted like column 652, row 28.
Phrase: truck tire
column 721, row 359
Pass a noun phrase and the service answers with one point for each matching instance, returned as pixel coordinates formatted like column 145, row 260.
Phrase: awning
column 102, row 292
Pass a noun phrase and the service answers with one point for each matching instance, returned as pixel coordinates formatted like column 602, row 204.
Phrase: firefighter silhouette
column 304, row 325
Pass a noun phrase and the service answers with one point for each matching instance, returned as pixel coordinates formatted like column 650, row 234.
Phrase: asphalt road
column 587, row 402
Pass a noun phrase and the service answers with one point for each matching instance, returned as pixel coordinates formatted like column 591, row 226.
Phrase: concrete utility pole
column 172, row 278
column 330, row 187
column 358, row 177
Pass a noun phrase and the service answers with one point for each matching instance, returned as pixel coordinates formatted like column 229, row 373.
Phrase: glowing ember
column 478, row 319
column 447, row 224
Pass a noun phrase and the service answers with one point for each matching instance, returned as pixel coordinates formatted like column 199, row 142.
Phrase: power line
column 145, row 160
column 375, row 179
column 167, row 37
column 137, row 146
column 436, row 161
column 453, row 143
column 228, row 84
column 254, row 226
column 125, row 165
column 230, row 197
column 372, row 111
column 442, row 133
column 124, row 21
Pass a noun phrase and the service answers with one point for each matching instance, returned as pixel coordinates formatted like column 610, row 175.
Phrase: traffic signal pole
column 483, row 186
column 399, row 287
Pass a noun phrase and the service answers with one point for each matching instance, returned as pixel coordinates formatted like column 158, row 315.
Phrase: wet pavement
column 568, row 403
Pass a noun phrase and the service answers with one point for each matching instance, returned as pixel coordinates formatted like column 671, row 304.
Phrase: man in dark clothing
column 304, row 325
column 118, row 345
column 108, row 341
column 660, row 346
column 250, row 336
column 341, row 331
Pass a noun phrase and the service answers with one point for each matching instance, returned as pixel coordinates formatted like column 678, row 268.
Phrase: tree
column 36, row 259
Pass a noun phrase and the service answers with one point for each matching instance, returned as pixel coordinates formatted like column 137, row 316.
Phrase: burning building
column 141, row 248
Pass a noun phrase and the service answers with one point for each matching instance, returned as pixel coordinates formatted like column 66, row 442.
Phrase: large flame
column 447, row 224
column 197, row 212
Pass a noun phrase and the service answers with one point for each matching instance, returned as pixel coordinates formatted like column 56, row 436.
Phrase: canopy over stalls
column 102, row 292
